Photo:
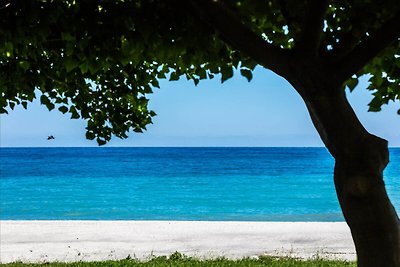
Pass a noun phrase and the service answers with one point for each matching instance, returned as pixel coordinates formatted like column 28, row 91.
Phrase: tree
column 99, row 59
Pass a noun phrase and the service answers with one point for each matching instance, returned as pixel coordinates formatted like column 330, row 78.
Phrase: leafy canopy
column 99, row 60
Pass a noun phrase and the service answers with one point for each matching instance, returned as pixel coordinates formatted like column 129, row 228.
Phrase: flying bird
column 50, row 137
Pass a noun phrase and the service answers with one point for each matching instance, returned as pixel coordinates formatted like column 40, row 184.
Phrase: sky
column 263, row 113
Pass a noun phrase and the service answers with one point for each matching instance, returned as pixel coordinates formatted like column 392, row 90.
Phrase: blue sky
column 265, row 112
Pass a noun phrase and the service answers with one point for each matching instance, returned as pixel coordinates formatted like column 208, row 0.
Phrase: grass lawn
column 178, row 260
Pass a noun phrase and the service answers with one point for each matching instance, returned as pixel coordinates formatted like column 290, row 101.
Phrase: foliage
column 99, row 60
column 385, row 78
column 175, row 260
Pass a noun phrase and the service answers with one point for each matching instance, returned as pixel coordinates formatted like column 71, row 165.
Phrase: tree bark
column 360, row 159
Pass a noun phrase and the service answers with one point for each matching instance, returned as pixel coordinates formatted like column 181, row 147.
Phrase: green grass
column 179, row 260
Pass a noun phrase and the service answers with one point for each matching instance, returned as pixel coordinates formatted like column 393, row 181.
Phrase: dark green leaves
column 24, row 104
column 384, row 78
column 44, row 100
column 63, row 109
column 247, row 73
column 226, row 73
column 12, row 105
column 70, row 63
column 352, row 83
column 90, row 135
column 100, row 64
column 174, row 76
column 74, row 112
column 8, row 49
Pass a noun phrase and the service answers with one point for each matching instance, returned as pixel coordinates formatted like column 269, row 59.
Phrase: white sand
column 46, row 241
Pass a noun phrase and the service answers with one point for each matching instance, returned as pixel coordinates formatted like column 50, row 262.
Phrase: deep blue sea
column 243, row 184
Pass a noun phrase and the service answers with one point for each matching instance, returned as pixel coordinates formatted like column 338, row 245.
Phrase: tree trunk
column 360, row 159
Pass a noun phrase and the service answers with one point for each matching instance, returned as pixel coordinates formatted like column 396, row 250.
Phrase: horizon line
column 171, row 147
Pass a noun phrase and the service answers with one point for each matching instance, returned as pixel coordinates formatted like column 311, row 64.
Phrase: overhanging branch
column 312, row 27
column 241, row 37
column 346, row 44
column 369, row 48
column 286, row 14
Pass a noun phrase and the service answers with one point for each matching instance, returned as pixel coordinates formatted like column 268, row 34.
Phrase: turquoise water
column 253, row 184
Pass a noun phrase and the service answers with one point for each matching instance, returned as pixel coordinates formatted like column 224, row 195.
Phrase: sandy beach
column 67, row 241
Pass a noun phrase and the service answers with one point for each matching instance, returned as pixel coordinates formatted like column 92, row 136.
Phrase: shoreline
column 70, row 241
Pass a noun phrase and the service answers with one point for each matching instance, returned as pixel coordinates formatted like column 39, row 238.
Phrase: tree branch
column 312, row 27
column 285, row 13
column 241, row 37
column 346, row 44
column 369, row 48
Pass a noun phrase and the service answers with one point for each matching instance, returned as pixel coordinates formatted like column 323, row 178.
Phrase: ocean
column 217, row 184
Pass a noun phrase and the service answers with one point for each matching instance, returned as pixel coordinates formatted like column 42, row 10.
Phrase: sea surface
column 241, row 184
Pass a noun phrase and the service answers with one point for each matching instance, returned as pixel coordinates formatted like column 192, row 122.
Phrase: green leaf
column 201, row 73
column 24, row 65
column 155, row 83
column 375, row 104
column 84, row 67
column 9, row 47
column 93, row 66
column 63, row 109
column 249, row 63
column 227, row 73
column 67, row 36
column 24, row 104
column 44, row 100
column 196, row 81
column 352, row 83
column 174, row 76
column 74, row 113
column 70, row 63
column 247, row 73
column 50, row 106
column 161, row 75
column 90, row 135
column 101, row 142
